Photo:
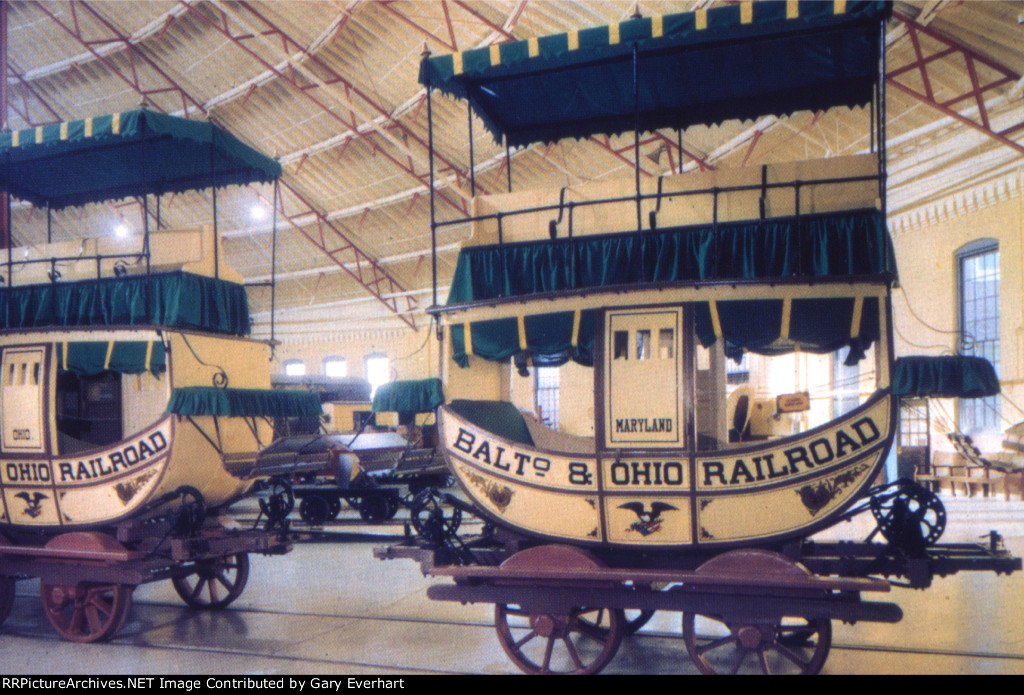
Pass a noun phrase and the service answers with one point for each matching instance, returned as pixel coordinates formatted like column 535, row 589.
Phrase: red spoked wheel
column 581, row 641
column 214, row 583
column 735, row 644
column 86, row 611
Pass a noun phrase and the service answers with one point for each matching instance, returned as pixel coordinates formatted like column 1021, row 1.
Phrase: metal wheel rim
column 314, row 510
column 782, row 644
column 86, row 612
column 203, row 587
column 570, row 642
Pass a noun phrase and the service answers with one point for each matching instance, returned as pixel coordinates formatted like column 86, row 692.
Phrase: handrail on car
column 562, row 204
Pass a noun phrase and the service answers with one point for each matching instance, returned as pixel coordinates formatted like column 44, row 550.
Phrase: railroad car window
column 643, row 345
column 546, row 399
column 666, row 344
column 36, row 368
column 622, row 345
column 89, row 411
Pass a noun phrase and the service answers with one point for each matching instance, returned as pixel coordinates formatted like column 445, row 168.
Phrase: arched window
column 335, row 366
column 977, row 267
column 294, row 367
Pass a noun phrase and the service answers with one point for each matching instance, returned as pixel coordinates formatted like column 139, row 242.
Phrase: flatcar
column 731, row 338
column 133, row 401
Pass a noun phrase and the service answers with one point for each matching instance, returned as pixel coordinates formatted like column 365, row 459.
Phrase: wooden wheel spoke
column 573, row 654
column 785, row 651
column 197, row 590
column 93, row 619
column 741, row 656
column 715, row 644
column 529, row 636
column 548, row 649
column 225, row 582
column 592, row 630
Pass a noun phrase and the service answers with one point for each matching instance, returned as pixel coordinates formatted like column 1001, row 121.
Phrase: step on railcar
column 733, row 331
column 133, row 403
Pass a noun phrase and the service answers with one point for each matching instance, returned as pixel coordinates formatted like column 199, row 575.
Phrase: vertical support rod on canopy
column 679, row 144
column 636, row 134
column 49, row 225
column 273, row 260
column 636, row 159
column 433, row 203
column 472, row 161
column 5, row 197
column 508, row 163
column 883, row 168
column 213, row 186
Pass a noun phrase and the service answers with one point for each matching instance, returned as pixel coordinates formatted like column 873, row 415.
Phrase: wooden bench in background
column 970, row 471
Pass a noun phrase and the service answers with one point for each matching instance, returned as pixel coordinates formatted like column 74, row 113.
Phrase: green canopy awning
column 132, row 153
column 736, row 61
column 411, row 396
column 944, row 376
column 172, row 300
column 229, row 402
column 88, row 358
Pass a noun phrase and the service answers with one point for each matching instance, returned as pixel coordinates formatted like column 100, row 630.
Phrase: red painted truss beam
column 329, row 77
column 376, row 273
column 951, row 48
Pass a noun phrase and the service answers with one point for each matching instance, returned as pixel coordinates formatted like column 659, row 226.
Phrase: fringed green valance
column 548, row 339
column 835, row 244
column 762, row 326
column 172, row 300
column 228, row 402
column 411, row 396
column 88, row 358
column 767, row 327
column 945, row 376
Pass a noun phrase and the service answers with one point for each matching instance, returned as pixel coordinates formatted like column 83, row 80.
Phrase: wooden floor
column 331, row 608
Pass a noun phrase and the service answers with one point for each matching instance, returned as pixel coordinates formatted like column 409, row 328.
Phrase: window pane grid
column 979, row 328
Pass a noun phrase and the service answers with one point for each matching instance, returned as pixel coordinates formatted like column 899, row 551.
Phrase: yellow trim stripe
column 149, row 355
column 613, row 34
column 521, row 323
column 657, row 26
column 88, row 127
column 39, row 135
column 115, row 124
column 495, row 52
column 787, row 311
column 65, row 355
column 746, row 13
column 858, row 310
column 533, row 46
column 456, row 63
column 110, row 352
column 839, row 7
column 701, row 19
column 64, row 130
column 716, row 322
column 792, row 9
column 574, row 40
column 576, row 328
